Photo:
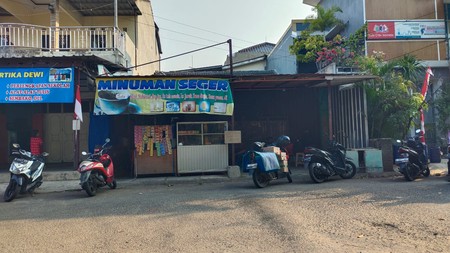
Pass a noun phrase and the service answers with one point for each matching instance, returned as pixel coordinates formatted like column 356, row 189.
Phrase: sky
column 190, row 25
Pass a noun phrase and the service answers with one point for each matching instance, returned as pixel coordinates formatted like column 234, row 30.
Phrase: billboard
column 429, row 29
column 36, row 85
column 140, row 95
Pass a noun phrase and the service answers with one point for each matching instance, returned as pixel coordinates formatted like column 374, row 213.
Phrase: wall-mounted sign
column 381, row 30
column 138, row 95
column 36, row 85
column 232, row 137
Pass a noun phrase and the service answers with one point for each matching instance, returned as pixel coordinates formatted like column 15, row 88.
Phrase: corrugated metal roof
column 268, row 80
column 265, row 48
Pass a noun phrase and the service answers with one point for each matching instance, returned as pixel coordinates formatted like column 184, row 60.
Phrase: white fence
column 74, row 38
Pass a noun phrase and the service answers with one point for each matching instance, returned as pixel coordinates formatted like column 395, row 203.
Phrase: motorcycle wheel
column 315, row 173
column 426, row 172
column 260, row 179
column 11, row 191
column 350, row 170
column 410, row 173
column 113, row 184
column 90, row 187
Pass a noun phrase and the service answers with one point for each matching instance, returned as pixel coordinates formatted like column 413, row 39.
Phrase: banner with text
column 422, row 29
column 138, row 95
column 36, row 85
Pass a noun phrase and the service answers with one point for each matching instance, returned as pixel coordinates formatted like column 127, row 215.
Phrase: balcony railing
column 33, row 40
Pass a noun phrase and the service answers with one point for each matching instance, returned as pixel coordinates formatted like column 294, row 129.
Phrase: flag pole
column 78, row 116
column 76, row 153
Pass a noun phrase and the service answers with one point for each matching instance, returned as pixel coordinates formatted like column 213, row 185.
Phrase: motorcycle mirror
column 417, row 131
column 45, row 154
column 107, row 140
column 399, row 141
column 84, row 153
column 16, row 145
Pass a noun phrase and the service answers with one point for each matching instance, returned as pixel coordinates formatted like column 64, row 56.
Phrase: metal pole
column 116, row 23
column 233, row 147
column 230, row 47
column 76, row 137
column 330, row 114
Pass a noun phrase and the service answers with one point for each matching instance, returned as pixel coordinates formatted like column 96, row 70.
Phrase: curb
column 60, row 181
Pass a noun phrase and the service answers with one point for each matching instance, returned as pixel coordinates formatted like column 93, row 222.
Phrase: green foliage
column 343, row 51
column 392, row 99
column 442, row 105
column 324, row 18
column 307, row 46
column 355, row 42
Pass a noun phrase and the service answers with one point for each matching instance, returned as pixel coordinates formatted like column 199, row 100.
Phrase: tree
column 324, row 18
column 442, row 105
column 392, row 99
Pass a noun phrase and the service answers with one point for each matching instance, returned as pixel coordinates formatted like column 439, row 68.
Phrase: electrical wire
column 177, row 55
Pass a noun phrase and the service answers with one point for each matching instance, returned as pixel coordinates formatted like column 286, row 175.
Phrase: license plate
column 252, row 166
column 401, row 160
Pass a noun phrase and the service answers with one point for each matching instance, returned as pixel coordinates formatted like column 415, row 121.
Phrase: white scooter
column 26, row 172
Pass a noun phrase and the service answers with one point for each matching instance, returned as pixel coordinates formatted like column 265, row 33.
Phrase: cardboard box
column 283, row 163
column 284, row 168
column 283, row 156
column 272, row 149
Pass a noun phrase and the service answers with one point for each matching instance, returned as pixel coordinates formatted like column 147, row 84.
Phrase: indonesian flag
column 426, row 82
column 78, row 111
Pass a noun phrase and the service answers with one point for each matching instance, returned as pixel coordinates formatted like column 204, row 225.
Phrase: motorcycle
column 412, row 159
column 97, row 170
column 26, row 172
column 324, row 164
column 263, row 164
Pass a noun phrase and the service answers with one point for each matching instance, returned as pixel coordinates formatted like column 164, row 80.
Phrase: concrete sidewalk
column 59, row 181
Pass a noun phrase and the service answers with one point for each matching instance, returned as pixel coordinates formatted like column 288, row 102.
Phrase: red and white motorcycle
column 97, row 170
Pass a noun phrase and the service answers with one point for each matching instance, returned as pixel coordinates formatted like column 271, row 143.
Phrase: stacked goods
column 154, row 139
column 283, row 160
column 272, row 149
column 282, row 157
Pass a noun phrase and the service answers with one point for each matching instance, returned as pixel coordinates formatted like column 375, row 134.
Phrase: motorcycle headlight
column 83, row 167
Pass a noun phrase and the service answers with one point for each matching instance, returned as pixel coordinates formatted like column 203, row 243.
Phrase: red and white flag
column 425, row 85
column 78, row 111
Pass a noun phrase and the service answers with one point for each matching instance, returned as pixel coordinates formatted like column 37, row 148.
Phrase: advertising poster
column 138, row 95
column 380, row 30
column 36, row 85
column 407, row 30
column 432, row 30
column 427, row 29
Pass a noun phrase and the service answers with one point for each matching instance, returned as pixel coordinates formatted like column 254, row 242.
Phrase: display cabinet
column 201, row 133
column 201, row 146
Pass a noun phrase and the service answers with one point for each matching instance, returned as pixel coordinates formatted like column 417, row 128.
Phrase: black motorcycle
column 263, row 163
column 412, row 159
column 324, row 164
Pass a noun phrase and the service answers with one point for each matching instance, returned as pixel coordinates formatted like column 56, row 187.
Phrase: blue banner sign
column 36, row 85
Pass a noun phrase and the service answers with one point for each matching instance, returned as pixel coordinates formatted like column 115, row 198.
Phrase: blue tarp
column 267, row 161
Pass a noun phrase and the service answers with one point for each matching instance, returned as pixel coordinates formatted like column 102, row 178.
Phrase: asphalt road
column 357, row 215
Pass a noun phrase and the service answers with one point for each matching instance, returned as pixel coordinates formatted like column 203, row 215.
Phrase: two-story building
column 402, row 27
column 48, row 47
